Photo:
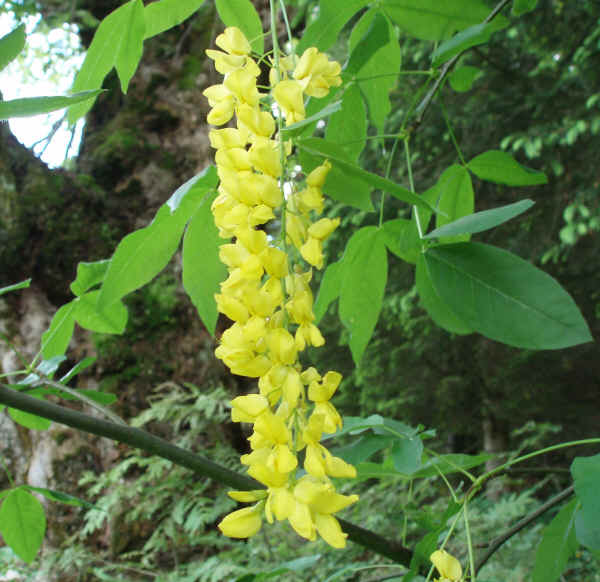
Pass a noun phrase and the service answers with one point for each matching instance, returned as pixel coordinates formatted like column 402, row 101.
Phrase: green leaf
column 406, row 454
column 141, row 255
column 447, row 464
column 436, row 307
column 363, row 284
column 587, row 531
column 363, row 448
column 378, row 424
column 377, row 470
column 22, row 523
column 131, row 46
column 163, row 15
column 88, row 275
column 241, row 13
column 15, row 286
column 337, row 157
column 295, row 129
column 113, row 319
column 35, row 105
column 402, row 238
column 376, row 37
column 329, row 290
column 202, row 269
column 112, row 38
column 55, row 340
column 586, row 479
column 11, row 45
column 523, row 6
column 558, row 544
column 462, row 78
column 29, row 420
column 379, row 71
column 435, row 20
column 481, row 221
column 60, row 497
column 325, row 29
column 504, row 297
column 500, row 167
column 456, row 199
column 348, row 127
column 465, row 39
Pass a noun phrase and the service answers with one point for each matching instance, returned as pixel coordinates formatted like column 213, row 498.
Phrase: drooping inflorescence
column 268, row 296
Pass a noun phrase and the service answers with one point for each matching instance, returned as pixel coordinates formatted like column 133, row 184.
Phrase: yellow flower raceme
column 271, row 303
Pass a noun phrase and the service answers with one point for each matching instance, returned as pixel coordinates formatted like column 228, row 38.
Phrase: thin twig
column 495, row 544
column 424, row 105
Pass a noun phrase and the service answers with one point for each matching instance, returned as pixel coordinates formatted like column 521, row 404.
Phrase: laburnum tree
column 333, row 229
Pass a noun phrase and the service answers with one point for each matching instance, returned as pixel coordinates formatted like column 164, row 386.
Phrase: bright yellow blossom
column 269, row 300
column 447, row 565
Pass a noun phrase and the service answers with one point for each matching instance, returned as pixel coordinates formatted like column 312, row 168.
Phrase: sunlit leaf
column 88, row 275
column 329, row 290
column 113, row 319
column 130, row 47
column 22, row 523
column 55, row 340
column 165, row 14
column 11, row 45
column 402, row 238
column 28, row 106
column 202, row 269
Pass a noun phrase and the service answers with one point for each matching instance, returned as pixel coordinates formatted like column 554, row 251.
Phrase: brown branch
column 495, row 544
column 141, row 439
column 426, row 102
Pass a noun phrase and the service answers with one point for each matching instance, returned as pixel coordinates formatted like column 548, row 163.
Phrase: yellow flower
column 288, row 95
column 242, row 523
column 255, row 122
column 227, row 138
column 265, row 157
column 225, row 63
column 248, row 408
column 316, row 73
column 248, row 496
column 242, row 83
column 317, row 177
column 233, row 41
column 312, row 252
column 447, row 565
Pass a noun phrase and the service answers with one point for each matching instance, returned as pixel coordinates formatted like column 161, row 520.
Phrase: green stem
column 469, row 543
column 287, row 25
column 411, row 184
column 504, row 466
column 388, row 171
column 452, row 136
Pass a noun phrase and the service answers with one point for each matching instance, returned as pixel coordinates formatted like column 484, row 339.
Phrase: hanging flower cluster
column 270, row 302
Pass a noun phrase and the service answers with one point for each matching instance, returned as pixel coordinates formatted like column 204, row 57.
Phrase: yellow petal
column 448, row 566
column 242, row 523
column 329, row 529
column 312, row 252
column 233, row 41
column 248, row 496
column 323, row 228
column 317, row 177
column 247, row 408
